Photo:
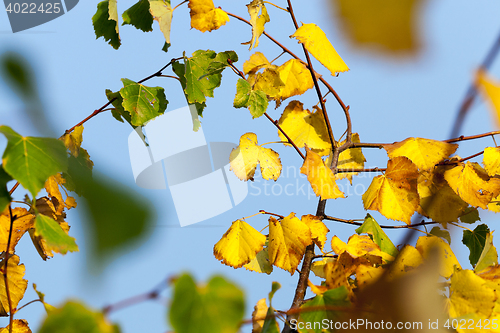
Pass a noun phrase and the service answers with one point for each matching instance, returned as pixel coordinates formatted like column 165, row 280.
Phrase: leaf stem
column 264, row 212
column 272, row 4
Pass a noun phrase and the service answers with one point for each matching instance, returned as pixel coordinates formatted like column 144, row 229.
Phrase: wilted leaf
column 305, row 128
column 239, row 245
column 258, row 18
column 143, row 103
column 320, row 177
column 17, row 285
column 424, row 153
column 288, row 240
column 74, row 316
column 316, row 42
column 105, row 22
column 394, row 194
column 205, row 17
column 215, row 307
column 248, row 154
column 32, row 160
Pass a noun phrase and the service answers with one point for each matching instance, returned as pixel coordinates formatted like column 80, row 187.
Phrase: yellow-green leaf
column 320, row 177
column 56, row 239
column 161, row 10
column 239, row 245
column 73, row 140
column 489, row 256
column 288, row 240
column 316, row 42
column 248, row 154
column 260, row 263
column 424, row 153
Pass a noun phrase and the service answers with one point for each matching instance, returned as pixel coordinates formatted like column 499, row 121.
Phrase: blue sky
column 390, row 98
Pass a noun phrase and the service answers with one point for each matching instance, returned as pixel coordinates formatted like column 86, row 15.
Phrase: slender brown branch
column 363, row 170
column 354, row 222
column 5, row 274
column 471, row 93
column 472, row 137
column 290, row 141
column 235, row 69
column 367, row 145
column 264, row 212
column 30, row 302
column 179, row 5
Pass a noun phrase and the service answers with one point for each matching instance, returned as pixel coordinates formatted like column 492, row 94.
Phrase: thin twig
column 354, row 222
column 290, row 141
column 264, row 212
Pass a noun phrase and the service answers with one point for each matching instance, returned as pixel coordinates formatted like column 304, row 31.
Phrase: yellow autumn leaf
column 248, row 154
column 259, row 315
column 316, row 42
column 239, row 245
column 469, row 294
column 337, row 272
column 260, row 263
column 296, row 77
column 359, row 246
column 490, row 90
column 268, row 81
column 390, row 25
column 22, row 223
column 352, row 158
column 366, row 275
column 205, row 17
column 288, row 240
column 318, row 267
column 394, row 194
column 161, row 11
column 318, row 229
column 437, row 199
column 256, row 62
column 489, row 255
column 424, row 153
column 408, row 259
column 73, row 140
column 18, row 326
column 305, row 128
column 473, row 184
column 494, row 204
column 320, row 177
column 318, row 290
column 258, row 18
column 17, row 285
column 491, row 161
column 426, row 246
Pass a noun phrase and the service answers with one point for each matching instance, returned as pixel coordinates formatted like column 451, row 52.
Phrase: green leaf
column 55, row 237
column 179, row 69
column 217, row 307
column 79, row 172
column 48, row 308
column 274, row 288
column 118, row 217
column 470, row 215
column 75, row 317
column 372, row 228
column 31, row 161
column 255, row 100
column 118, row 112
column 489, row 256
column 143, row 103
column 195, row 67
column 139, row 16
column 105, row 22
column 445, row 234
column 475, row 241
column 162, row 12
column 5, row 197
column 221, row 62
column 270, row 323
column 166, row 47
column 333, row 297
column 16, row 71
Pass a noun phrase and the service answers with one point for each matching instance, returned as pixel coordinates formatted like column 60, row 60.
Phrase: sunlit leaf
column 23, row 220
column 296, row 77
column 105, row 22
column 320, row 176
column 143, row 103
column 359, row 246
column 18, row 326
column 444, row 234
column 239, row 245
column 260, row 263
column 491, row 161
column 391, row 25
column 259, row 315
column 269, row 81
column 221, row 62
column 394, row 194
column 161, row 10
column 426, row 246
column 473, row 184
column 55, row 238
column 318, row 229
column 205, row 17
column 73, row 140
column 258, row 18
column 408, row 259
column 489, row 256
column 255, row 100
column 424, row 153
column 32, row 160
column 366, row 275
column 139, row 16
column 256, row 62
column 475, row 241
column 248, row 154
column 215, row 307
column 372, row 228
column 316, row 42
column 318, row 267
column 17, row 285
column 288, row 240
column 74, row 316
column 352, row 158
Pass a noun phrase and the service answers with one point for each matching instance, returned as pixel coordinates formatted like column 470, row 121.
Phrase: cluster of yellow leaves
column 286, row 243
column 205, row 17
